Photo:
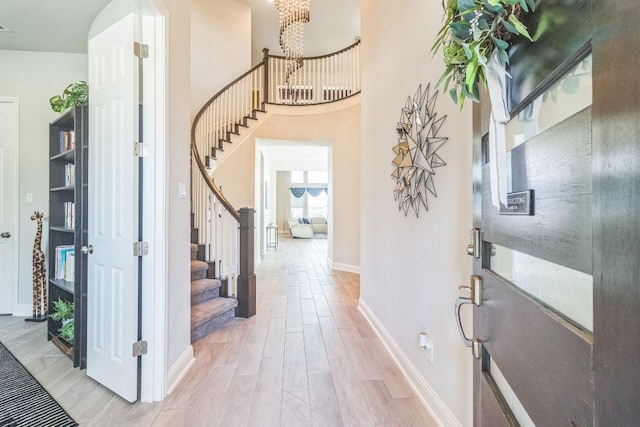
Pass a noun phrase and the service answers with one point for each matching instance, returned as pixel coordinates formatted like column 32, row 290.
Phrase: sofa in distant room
column 306, row 228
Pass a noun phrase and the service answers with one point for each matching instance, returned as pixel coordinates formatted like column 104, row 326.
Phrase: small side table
column 272, row 236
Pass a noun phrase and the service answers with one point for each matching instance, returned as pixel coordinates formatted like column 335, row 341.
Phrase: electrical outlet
column 429, row 349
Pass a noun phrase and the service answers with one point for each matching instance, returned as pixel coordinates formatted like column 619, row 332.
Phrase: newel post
column 265, row 60
column 246, row 277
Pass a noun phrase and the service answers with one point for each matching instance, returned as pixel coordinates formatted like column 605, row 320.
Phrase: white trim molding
column 344, row 267
column 23, row 310
column 427, row 395
column 155, row 211
column 180, row 369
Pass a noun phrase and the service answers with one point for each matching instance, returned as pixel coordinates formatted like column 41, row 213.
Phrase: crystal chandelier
column 293, row 15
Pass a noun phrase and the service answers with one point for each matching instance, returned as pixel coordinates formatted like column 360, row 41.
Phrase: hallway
column 308, row 357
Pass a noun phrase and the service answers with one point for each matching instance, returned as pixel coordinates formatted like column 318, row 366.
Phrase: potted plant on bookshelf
column 63, row 312
column 74, row 94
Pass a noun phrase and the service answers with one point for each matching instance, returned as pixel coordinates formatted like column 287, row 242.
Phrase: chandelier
column 293, row 15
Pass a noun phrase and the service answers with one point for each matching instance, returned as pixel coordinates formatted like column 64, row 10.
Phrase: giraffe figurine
column 39, row 272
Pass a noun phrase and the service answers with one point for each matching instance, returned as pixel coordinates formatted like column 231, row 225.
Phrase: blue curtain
column 313, row 191
column 297, row 192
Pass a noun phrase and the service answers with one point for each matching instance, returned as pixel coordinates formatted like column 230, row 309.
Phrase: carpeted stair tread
column 198, row 265
column 208, row 310
column 203, row 290
column 202, row 285
column 198, row 269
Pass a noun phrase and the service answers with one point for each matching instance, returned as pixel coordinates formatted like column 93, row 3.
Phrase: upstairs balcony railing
column 226, row 233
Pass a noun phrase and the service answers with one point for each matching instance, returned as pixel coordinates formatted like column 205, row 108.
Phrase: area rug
column 23, row 401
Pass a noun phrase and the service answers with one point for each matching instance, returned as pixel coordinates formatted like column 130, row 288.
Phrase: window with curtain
column 308, row 194
column 318, row 205
column 297, row 206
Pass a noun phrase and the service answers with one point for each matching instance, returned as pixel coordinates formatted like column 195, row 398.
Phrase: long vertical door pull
column 475, row 298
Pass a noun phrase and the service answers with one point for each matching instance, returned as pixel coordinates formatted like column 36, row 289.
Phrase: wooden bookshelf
column 68, row 161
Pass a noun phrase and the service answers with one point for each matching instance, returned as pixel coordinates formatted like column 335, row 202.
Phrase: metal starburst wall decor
column 417, row 151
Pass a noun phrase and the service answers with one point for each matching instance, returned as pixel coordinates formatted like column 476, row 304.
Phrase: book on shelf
column 67, row 140
column 69, row 215
column 69, row 266
column 64, row 256
column 69, row 174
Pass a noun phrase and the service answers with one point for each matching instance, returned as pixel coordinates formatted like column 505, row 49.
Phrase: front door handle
column 86, row 249
column 459, row 303
column 5, row 235
column 475, row 289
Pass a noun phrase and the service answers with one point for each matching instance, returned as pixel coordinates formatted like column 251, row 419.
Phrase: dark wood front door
column 556, row 324
column 534, row 320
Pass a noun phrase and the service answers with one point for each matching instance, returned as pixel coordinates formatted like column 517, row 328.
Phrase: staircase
column 208, row 309
column 211, row 160
column 223, row 236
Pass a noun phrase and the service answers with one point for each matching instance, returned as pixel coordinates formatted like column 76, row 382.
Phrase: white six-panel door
column 112, row 288
column 8, row 202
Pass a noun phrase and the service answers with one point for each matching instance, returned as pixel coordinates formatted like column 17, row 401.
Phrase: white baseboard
column 23, row 310
column 427, row 395
column 344, row 267
column 180, row 369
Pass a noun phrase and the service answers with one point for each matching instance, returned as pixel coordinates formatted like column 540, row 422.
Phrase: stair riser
column 206, row 328
column 205, row 296
column 197, row 253
column 198, row 274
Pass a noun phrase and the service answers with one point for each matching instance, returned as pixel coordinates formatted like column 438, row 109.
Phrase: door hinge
column 140, row 149
column 141, row 50
column 139, row 348
column 140, row 248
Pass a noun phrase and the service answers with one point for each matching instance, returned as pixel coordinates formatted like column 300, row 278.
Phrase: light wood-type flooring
column 308, row 358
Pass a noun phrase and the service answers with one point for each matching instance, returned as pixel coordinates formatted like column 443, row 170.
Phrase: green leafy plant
column 64, row 313
column 472, row 31
column 74, row 94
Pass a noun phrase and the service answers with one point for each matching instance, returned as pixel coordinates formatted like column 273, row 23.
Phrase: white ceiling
column 63, row 25
column 48, row 25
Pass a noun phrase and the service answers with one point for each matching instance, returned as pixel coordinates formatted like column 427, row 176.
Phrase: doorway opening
column 294, row 185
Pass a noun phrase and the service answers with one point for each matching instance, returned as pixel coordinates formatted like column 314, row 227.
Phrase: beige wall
column 178, row 158
column 221, row 46
column 237, row 173
column 34, row 77
column 411, row 267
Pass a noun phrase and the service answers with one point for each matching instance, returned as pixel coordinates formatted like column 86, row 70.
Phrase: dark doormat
column 23, row 401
